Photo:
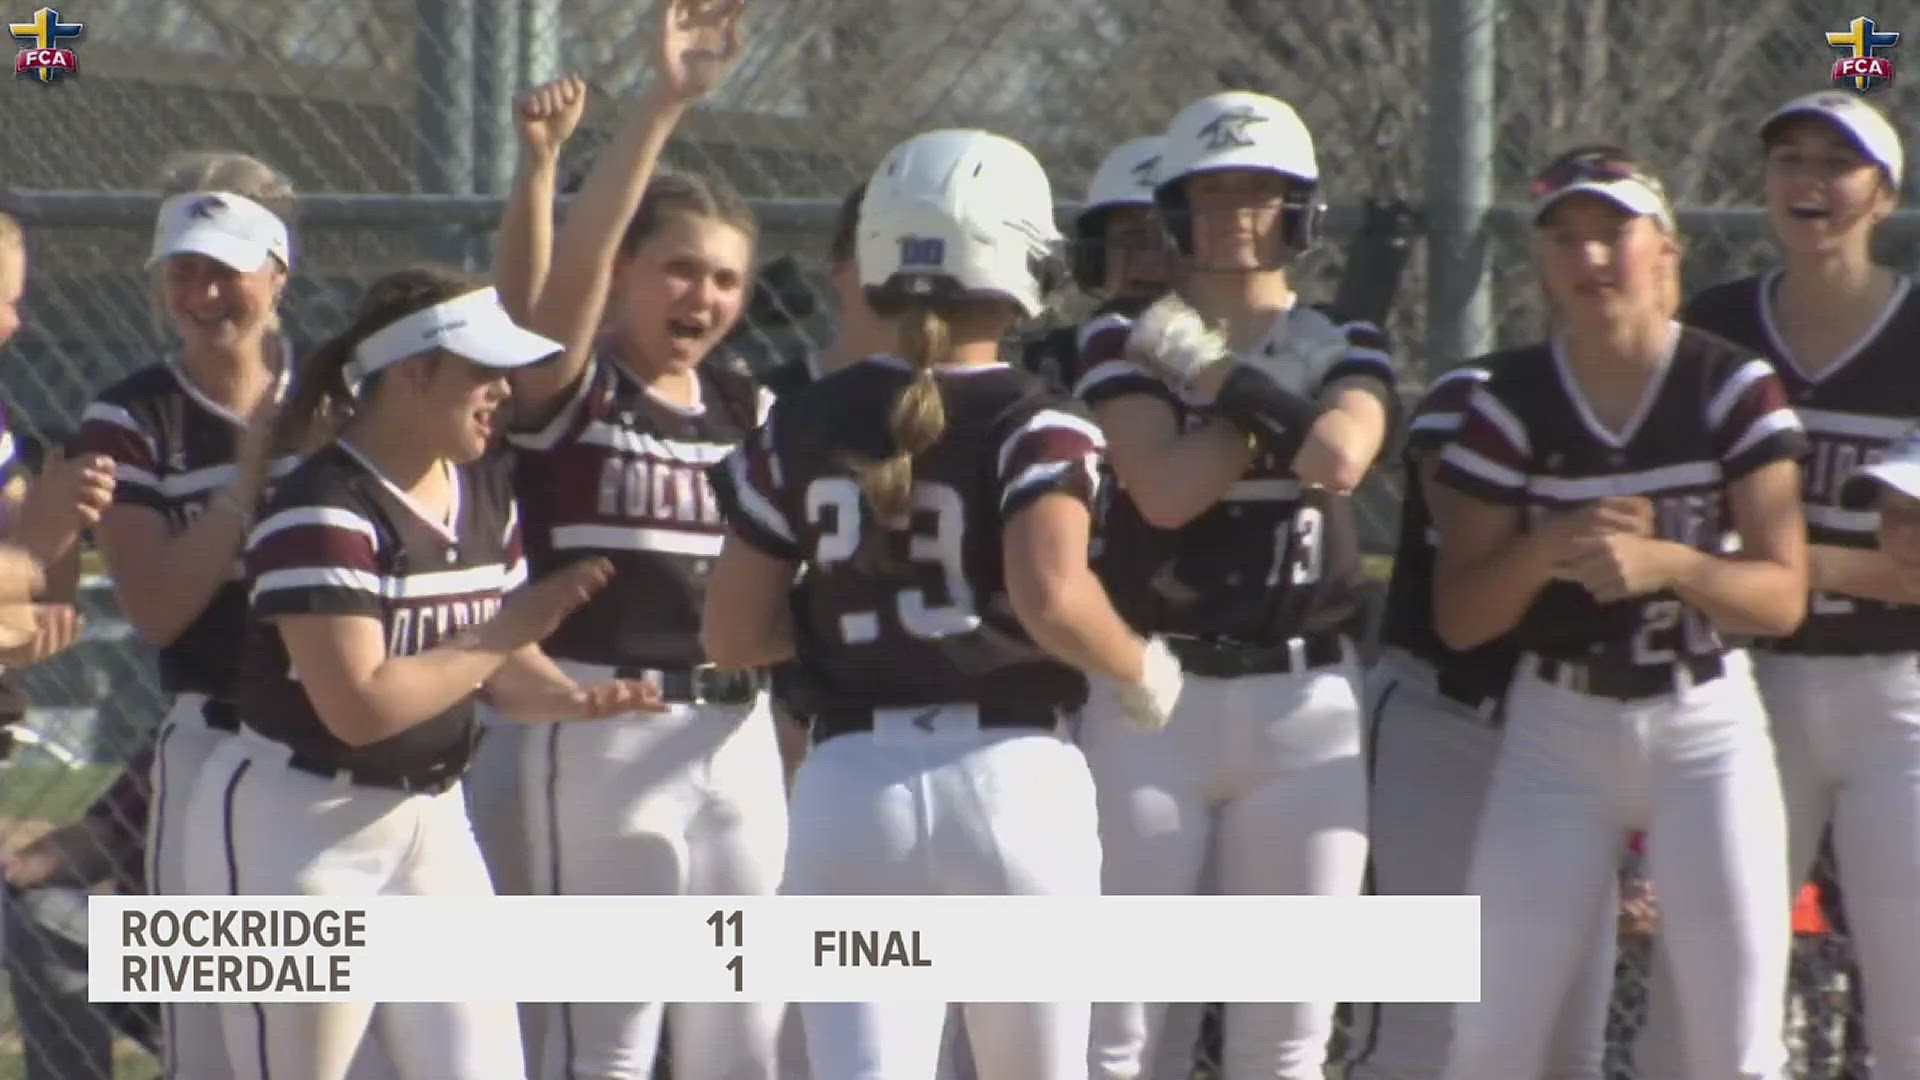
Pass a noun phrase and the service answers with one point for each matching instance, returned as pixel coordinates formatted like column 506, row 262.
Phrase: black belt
column 1232, row 659
column 435, row 781
column 703, row 685
column 221, row 715
column 1469, row 688
column 1624, row 683
column 842, row 720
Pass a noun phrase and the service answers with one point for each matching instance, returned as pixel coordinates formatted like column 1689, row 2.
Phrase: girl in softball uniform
column 190, row 439
column 1627, row 494
column 1238, row 420
column 380, row 573
column 935, row 506
column 650, row 273
column 1843, row 690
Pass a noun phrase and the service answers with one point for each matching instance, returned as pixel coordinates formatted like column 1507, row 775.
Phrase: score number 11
column 722, row 922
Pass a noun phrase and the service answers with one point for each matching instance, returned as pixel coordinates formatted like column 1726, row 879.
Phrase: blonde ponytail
column 916, row 421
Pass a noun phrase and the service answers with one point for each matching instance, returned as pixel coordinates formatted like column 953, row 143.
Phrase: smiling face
column 215, row 308
column 1823, row 195
column 680, row 291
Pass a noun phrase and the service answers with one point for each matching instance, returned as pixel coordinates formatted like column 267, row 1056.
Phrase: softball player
column 189, row 437
column 1892, row 486
column 1842, row 691
column 649, row 276
column 939, row 504
column 378, row 573
column 1604, row 479
column 1434, row 719
column 1237, row 451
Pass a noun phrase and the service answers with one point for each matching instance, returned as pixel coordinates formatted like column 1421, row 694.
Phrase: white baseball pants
column 1848, row 733
column 192, row 1045
column 947, row 809
column 1264, row 774
column 260, row 828
column 1696, row 770
column 1432, row 759
column 497, row 806
column 691, row 801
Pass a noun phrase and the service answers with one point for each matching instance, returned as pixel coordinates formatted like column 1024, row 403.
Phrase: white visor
column 220, row 225
column 1898, row 469
column 1629, row 194
column 1865, row 126
column 474, row 327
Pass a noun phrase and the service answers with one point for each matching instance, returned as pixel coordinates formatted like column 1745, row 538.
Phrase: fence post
column 496, row 78
column 1460, row 129
column 444, row 97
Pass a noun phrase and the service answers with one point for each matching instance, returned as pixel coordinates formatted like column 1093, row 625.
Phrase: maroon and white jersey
column 1853, row 410
column 1271, row 560
column 1712, row 415
column 339, row 538
column 621, row 473
column 931, row 623
column 172, row 449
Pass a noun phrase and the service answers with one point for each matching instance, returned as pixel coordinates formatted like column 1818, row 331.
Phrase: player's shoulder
column 141, row 387
column 1523, row 380
column 1360, row 332
column 330, row 477
column 1715, row 356
column 1731, row 309
column 790, row 376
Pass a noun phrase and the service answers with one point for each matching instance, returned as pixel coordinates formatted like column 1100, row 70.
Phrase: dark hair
column 319, row 400
column 670, row 193
column 846, row 227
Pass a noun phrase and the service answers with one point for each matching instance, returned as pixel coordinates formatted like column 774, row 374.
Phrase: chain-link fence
column 392, row 118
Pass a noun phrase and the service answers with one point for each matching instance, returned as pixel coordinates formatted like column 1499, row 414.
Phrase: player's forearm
column 1478, row 601
column 1178, row 480
column 1074, row 621
column 162, row 588
column 733, row 645
column 1868, row 573
column 1739, row 594
column 531, row 688
column 406, row 691
column 523, row 246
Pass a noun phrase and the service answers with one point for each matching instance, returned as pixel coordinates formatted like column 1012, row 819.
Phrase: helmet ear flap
column 1051, row 270
column 1176, row 218
column 1302, row 213
column 1089, row 251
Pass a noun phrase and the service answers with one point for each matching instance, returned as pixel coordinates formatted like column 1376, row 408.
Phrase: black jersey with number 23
column 931, row 624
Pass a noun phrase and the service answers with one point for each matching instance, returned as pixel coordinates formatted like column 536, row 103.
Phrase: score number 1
column 723, row 922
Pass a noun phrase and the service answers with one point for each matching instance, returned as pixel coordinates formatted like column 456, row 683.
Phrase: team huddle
column 525, row 587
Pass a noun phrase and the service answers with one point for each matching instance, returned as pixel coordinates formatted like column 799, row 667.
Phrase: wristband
column 1256, row 404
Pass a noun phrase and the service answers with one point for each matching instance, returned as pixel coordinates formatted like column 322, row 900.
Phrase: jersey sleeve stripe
column 754, row 504
column 1078, row 478
column 1049, row 435
column 1491, row 473
column 564, row 419
column 1774, row 424
column 112, row 430
column 330, row 516
column 1117, row 378
column 1103, row 338
column 304, row 578
column 1737, row 385
column 1508, row 442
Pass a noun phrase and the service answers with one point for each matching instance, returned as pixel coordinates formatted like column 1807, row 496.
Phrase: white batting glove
column 1300, row 350
column 1173, row 341
column 1149, row 703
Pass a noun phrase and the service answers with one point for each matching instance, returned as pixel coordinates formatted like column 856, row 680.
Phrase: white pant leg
column 497, row 807
column 193, row 1047
column 1545, row 859
column 1156, row 829
column 1848, row 731
column 1717, row 858
column 1294, row 824
column 956, row 811
column 260, row 828
column 1178, row 1045
column 689, row 801
column 1432, row 759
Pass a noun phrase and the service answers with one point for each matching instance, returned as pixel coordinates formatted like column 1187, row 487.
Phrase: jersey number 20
column 1660, row 620
column 941, row 549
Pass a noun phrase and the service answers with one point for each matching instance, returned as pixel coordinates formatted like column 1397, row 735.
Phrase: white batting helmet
column 1125, row 178
column 961, row 209
column 1239, row 129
